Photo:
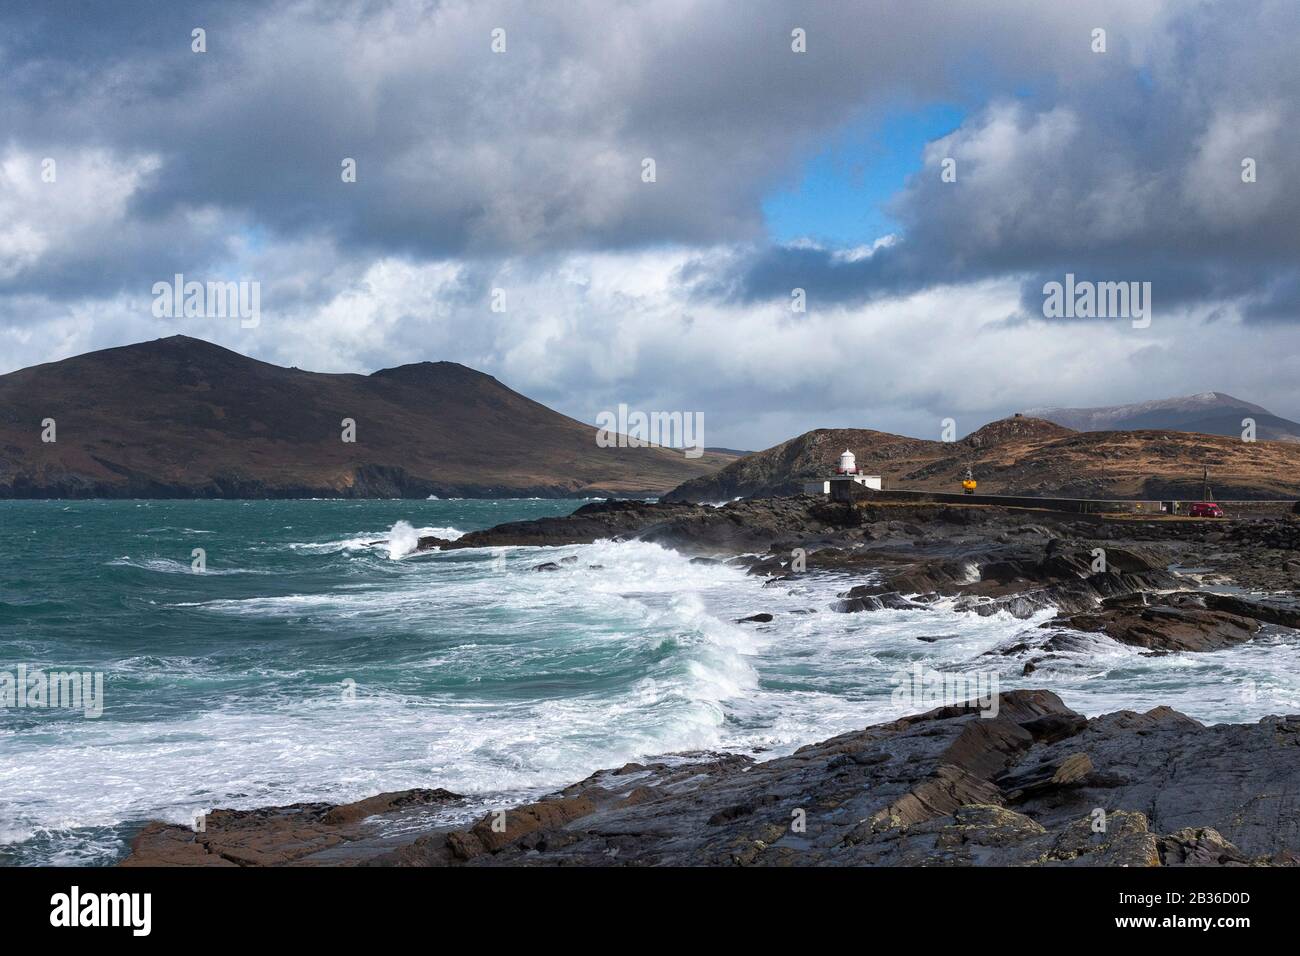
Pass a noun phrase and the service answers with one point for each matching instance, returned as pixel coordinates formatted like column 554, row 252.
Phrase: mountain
column 1211, row 413
column 181, row 417
column 1023, row 456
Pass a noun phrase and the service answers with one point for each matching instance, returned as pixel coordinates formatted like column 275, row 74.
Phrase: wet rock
column 1055, row 726
column 1049, row 775
column 504, row 828
column 1169, row 628
column 1200, row 846
column 940, row 795
column 301, row 834
column 856, row 600
column 1126, row 841
column 761, row 618
column 988, row 825
column 768, row 567
column 735, row 528
column 928, row 789
column 1282, row 611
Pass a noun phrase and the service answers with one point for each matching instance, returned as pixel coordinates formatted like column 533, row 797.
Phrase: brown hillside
column 180, row 417
column 1023, row 456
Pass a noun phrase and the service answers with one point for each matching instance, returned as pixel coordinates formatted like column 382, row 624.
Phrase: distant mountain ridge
column 183, row 418
column 1210, row 413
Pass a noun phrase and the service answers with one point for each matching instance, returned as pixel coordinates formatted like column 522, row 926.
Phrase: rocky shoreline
column 1166, row 584
column 1036, row 785
column 1028, row 782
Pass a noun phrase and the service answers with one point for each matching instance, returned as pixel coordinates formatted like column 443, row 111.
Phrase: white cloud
column 522, row 172
column 586, row 332
column 58, row 205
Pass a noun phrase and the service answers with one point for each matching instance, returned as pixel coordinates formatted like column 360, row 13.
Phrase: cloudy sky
column 774, row 170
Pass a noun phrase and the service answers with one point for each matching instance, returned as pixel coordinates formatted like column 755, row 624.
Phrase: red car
column 1204, row 509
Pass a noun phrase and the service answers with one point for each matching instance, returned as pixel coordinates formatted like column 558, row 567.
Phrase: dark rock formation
column 1168, row 628
column 741, row 526
column 1125, row 789
column 1184, row 620
column 279, row 836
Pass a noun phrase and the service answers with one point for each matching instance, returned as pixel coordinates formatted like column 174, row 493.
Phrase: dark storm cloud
column 1277, row 299
column 523, row 170
column 463, row 152
column 1123, row 171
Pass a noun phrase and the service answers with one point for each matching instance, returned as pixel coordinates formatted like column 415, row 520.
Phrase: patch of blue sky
column 839, row 196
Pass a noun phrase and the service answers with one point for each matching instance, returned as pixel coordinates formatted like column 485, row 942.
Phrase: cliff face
column 1021, row 456
column 180, row 417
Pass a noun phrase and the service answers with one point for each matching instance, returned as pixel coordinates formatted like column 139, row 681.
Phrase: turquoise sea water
column 317, row 658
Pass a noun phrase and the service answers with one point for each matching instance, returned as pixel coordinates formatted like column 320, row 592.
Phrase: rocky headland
column 1030, row 782
column 1165, row 583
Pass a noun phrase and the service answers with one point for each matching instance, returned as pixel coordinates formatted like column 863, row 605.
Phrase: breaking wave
column 472, row 670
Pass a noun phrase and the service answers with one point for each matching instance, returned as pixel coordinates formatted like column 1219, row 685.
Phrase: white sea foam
column 397, row 542
column 172, row 566
column 402, row 540
column 495, row 680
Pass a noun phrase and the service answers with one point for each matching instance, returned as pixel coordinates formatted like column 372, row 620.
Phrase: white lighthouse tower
column 839, row 486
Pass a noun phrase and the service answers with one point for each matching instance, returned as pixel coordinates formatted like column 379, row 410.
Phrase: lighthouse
column 839, row 486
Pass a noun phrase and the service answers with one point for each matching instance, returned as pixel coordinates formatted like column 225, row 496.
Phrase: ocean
column 318, row 658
